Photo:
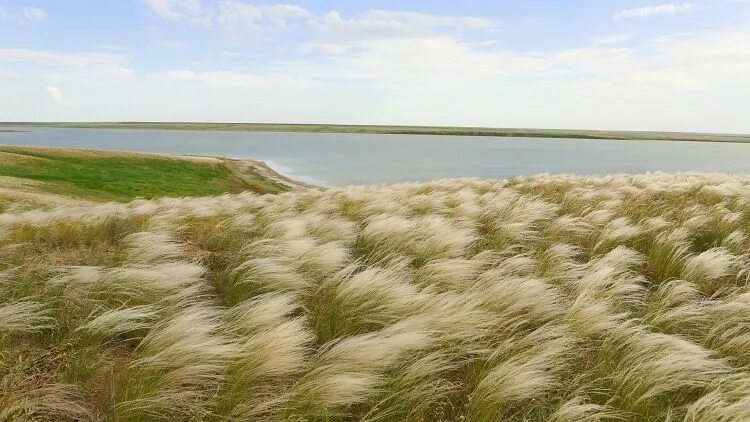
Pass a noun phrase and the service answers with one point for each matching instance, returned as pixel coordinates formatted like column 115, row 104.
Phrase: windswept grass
column 561, row 298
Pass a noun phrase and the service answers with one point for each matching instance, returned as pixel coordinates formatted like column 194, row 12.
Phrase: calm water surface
column 343, row 159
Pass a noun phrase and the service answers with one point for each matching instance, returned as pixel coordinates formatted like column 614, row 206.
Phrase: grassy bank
column 546, row 298
column 120, row 176
column 408, row 130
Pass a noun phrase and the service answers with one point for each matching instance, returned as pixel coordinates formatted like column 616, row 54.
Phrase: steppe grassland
column 545, row 298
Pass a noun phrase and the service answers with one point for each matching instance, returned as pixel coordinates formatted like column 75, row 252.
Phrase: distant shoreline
column 396, row 130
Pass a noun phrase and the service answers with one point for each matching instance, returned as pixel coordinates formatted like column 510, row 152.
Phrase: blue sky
column 619, row 64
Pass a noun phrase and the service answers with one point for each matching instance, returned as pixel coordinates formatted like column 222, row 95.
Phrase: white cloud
column 27, row 14
column 232, row 54
column 234, row 15
column 612, row 39
column 325, row 48
column 384, row 24
column 55, row 58
column 110, row 47
column 335, row 35
column 280, row 14
column 34, row 14
column 669, row 84
column 58, row 97
column 172, row 44
column 425, row 20
column 7, row 74
column 62, row 65
column 191, row 11
column 425, row 74
column 662, row 9
column 229, row 15
column 184, row 75
column 232, row 79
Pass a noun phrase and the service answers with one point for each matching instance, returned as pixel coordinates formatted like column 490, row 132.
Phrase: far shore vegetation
column 404, row 130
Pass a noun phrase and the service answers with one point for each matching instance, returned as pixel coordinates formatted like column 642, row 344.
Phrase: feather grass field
column 561, row 298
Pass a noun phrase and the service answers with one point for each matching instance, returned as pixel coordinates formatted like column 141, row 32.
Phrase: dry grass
column 545, row 298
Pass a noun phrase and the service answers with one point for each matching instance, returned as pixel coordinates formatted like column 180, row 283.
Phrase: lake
column 342, row 159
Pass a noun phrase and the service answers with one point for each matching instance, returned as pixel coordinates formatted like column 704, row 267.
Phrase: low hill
column 43, row 176
column 544, row 298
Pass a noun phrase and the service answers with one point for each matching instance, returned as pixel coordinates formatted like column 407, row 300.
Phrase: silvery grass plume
column 520, row 374
column 22, row 399
column 152, row 248
column 353, row 370
column 728, row 401
column 359, row 300
column 273, row 347
column 24, row 317
column 172, row 283
column 646, row 368
column 121, row 322
column 553, row 297
column 578, row 409
column 677, row 307
column 708, row 268
column 181, row 361
column 728, row 328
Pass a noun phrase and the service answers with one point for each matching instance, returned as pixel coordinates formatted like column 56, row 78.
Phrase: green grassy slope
column 101, row 176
